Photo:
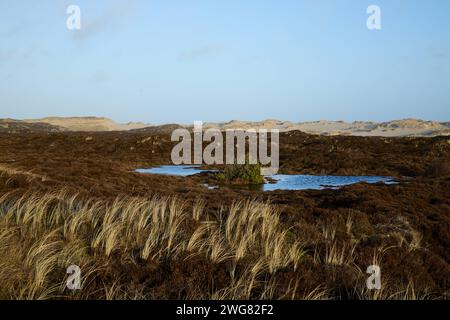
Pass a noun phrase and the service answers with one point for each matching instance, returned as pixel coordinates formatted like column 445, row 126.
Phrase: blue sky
column 185, row 60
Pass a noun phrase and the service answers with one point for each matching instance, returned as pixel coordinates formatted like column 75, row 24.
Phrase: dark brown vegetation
column 326, row 239
column 15, row 126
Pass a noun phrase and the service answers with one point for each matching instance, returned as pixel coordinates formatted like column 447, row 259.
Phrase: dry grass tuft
column 122, row 244
column 59, row 229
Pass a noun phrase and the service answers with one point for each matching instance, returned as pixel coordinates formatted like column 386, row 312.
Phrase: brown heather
column 123, row 246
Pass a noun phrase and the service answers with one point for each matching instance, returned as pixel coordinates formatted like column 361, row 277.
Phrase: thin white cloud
column 197, row 53
column 113, row 16
column 101, row 76
column 439, row 53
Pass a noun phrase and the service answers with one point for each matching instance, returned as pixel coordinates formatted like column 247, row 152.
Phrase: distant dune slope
column 162, row 129
column 396, row 128
column 88, row 124
column 11, row 126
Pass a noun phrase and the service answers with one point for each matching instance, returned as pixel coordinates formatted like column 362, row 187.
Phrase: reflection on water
column 303, row 182
column 172, row 170
column 283, row 182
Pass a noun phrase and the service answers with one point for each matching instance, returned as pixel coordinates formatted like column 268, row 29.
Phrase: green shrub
column 242, row 173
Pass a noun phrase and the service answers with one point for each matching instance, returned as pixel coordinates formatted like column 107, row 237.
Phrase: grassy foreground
column 134, row 247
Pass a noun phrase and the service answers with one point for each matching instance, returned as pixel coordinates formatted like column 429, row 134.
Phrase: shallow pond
column 283, row 182
column 304, row 182
column 173, row 170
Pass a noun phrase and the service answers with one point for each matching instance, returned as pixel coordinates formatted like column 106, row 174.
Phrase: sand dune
column 88, row 124
column 396, row 128
column 12, row 126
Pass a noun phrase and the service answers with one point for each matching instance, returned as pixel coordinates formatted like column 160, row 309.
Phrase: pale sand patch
column 396, row 128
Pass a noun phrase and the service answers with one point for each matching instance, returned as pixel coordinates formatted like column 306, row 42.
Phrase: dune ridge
column 395, row 128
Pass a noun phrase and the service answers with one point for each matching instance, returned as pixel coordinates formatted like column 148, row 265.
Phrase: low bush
column 242, row 173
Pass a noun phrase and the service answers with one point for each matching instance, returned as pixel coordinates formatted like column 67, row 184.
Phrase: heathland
column 73, row 198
